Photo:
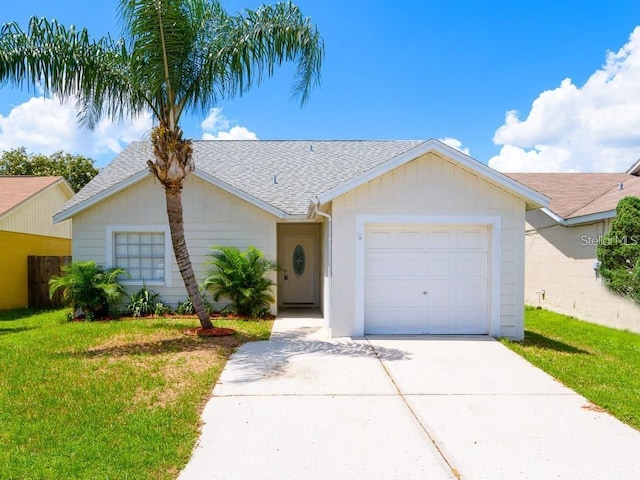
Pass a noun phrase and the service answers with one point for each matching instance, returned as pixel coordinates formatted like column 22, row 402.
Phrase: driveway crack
column 423, row 427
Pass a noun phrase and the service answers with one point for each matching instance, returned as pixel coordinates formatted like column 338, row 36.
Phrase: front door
column 299, row 273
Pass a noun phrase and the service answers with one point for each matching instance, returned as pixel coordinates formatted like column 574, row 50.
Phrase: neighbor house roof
column 15, row 190
column 283, row 177
column 581, row 197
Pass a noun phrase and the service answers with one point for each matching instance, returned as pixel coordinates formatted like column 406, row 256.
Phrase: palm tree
column 174, row 56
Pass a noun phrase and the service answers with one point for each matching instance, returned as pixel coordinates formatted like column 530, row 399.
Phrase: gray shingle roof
column 302, row 169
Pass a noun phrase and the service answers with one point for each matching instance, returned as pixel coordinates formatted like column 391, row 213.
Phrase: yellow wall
column 14, row 250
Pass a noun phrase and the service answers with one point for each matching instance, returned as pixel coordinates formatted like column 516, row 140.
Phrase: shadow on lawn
column 142, row 346
column 533, row 339
column 19, row 314
column 7, row 331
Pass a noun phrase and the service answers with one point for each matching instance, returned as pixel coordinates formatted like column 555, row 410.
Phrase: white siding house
column 380, row 236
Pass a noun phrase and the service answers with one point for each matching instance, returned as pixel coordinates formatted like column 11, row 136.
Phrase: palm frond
column 233, row 53
column 242, row 277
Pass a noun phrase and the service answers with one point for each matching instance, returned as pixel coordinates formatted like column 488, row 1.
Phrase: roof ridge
column 593, row 199
column 630, row 177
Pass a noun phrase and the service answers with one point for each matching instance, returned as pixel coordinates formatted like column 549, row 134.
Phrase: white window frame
column 111, row 230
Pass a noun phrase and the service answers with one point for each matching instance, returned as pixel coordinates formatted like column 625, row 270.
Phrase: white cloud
column 45, row 125
column 216, row 127
column 455, row 143
column 595, row 127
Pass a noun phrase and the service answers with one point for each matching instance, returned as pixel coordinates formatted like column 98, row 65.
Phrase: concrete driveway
column 301, row 406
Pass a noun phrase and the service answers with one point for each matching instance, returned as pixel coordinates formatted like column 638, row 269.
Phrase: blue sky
column 522, row 86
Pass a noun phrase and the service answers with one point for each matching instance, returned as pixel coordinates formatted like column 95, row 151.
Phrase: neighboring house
column 561, row 241
column 396, row 236
column 27, row 205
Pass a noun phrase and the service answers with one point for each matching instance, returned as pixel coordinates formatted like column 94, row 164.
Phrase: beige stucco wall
column 430, row 186
column 212, row 217
column 559, row 274
column 35, row 215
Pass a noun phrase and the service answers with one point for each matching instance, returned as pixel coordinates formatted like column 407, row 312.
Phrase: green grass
column 600, row 363
column 108, row 400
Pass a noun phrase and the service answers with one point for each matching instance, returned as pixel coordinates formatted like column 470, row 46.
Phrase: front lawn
column 600, row 363
column 111, row 400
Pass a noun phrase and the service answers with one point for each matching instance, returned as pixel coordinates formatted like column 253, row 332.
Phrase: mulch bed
column 209, row 332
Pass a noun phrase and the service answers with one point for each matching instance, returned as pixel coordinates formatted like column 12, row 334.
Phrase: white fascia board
column 531, row 197
column 112, row 190
column 240, row 194
column 569, row 222
column 297, row 219
column 65, row 186
column 634, row 169
column 593, row 217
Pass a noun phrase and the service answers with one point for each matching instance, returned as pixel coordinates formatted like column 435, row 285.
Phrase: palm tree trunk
column 173, row 197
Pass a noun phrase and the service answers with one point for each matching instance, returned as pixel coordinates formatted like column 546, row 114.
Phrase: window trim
column 111, row 230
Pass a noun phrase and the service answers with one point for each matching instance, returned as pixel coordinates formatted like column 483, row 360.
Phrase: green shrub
column 162, row 309
column 87, row 287
column 144, row 302
column 243, row 278
column 185, row 308
column 619, row 250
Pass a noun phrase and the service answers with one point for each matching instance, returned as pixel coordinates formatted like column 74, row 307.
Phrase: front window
column 142, row 254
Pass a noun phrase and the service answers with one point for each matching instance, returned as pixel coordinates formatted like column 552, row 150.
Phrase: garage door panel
column 395, row 320
column 472, row 239
column 440, row 264
column 440, row 321
column 379, row 292
column 379, row 264
column 397, row 263
column 410, row 240
column 440, row 239
column 441, row 292
column 471, row 320
column 449, row 263
column 381, row 320
column 471, row 292
column 399, row 292
column 411, row 320
column 380, row 240
column 472, row 264
column 412, row 264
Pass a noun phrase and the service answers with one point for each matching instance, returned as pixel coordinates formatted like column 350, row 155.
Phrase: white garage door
column 426, row 279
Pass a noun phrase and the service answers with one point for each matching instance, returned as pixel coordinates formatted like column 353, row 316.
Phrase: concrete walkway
column 301, row 406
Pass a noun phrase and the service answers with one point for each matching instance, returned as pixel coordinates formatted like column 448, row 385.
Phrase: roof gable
column 15, row 190
column 532, row 198
column 283, row 177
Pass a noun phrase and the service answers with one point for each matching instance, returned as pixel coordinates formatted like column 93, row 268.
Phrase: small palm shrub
column 243, row 278
column 87, row 287
column 143, row 302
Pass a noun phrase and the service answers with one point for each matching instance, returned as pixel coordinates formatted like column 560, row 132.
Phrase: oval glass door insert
column 298, row 260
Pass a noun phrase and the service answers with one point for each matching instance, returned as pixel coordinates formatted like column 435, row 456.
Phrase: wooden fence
column 40, row 270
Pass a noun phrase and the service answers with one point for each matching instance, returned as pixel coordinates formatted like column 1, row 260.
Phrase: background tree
column 619, row 250
column 174, row 55
column 76, row 169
